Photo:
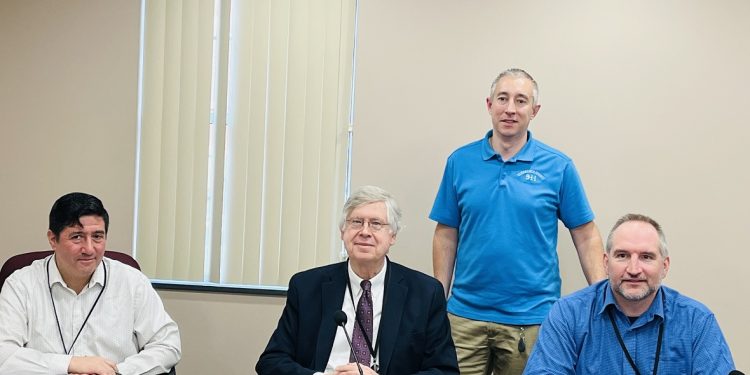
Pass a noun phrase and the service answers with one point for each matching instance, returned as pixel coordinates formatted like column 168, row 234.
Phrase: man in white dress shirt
column 77, row 312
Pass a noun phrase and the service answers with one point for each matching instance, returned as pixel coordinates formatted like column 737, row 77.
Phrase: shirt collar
column 656, row 308
column 526, row 153
column 56, row 278
column 376, row 281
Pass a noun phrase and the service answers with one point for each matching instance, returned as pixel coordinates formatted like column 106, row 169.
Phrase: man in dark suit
column 396, row 315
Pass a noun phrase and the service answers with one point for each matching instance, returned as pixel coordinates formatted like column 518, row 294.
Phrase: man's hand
column 351, row 369
column 92, row 366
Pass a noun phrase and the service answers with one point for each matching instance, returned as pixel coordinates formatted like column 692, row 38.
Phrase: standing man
column 79, row 312
column 496, row 211
column 395, row 316
column 630, row 323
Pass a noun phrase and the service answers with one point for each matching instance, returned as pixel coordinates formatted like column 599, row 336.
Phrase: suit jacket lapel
column 390, row 321
column 332, row 294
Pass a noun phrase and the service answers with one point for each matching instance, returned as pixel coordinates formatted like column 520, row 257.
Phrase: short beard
column 636, row 297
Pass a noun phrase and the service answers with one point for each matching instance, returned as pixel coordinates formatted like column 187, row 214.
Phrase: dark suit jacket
column 415, row 335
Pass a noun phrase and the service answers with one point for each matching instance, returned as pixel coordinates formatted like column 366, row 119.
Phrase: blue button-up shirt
column 577, row 337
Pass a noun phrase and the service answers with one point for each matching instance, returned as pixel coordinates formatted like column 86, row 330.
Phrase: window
column 244, row 129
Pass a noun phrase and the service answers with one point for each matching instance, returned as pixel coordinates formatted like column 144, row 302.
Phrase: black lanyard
column 59, row 329
column 622, row 343
column 373, row 350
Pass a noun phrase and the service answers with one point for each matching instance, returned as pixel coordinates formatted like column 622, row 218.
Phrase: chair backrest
column 19, row 261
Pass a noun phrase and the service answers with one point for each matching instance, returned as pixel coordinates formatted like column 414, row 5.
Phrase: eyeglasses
column 358, row 224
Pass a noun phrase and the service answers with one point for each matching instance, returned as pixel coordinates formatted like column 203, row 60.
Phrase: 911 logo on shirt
column 530, row 176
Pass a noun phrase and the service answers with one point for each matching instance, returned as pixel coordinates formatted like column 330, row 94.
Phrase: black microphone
column 733, row 372
column 340, row 318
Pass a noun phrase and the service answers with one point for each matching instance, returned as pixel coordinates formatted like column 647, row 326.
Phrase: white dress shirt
column 128, row 325
column 340, row 351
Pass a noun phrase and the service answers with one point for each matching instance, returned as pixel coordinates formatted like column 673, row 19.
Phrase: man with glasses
column 395, row 316
column 631, row 323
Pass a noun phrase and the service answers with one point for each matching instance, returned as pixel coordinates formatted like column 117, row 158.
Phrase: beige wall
column 645, row 96
column 68, row 86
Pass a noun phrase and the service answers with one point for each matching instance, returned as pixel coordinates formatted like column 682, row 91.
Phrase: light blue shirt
column 506, row 213
column 578, row 337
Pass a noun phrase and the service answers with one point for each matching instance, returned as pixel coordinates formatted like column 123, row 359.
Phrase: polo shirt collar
column 526, row 153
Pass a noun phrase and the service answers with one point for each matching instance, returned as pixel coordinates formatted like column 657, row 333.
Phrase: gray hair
column 373, row 194
column 518, row 73
column 642, row 218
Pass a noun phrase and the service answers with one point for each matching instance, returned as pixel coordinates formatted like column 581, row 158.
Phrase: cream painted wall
column 645, row 96
column 222, row 333
column 68, row 83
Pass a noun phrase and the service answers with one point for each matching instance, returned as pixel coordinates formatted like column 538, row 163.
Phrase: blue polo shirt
column 506, row 213
column 578, row 338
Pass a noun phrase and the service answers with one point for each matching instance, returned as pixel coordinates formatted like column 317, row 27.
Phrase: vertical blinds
column 243, row 137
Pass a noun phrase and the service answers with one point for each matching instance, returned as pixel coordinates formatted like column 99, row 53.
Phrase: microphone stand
column 340, row 318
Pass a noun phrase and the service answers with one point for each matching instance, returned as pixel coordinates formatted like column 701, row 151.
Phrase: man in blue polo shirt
column 497, row 210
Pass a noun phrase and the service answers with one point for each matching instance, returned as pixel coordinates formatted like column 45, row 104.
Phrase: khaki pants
column 490, row 348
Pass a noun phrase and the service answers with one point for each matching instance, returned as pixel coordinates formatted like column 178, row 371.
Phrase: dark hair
column 69, row 208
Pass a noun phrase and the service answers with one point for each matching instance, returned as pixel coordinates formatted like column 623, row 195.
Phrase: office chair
column 19, row 261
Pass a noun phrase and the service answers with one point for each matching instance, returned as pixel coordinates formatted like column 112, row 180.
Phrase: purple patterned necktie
column 364, row 315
